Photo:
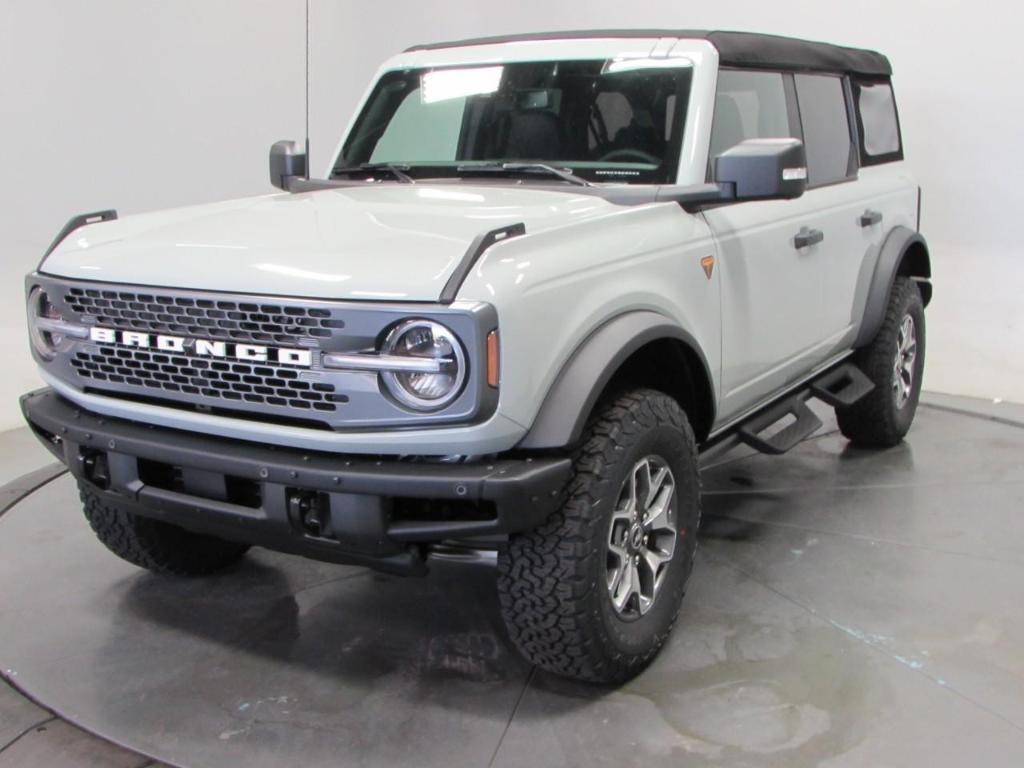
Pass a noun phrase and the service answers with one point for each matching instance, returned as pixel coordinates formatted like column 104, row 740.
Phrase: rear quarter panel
column 891, row 190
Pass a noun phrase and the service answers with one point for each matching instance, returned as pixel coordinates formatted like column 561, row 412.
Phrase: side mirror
column 287, row 161
column 763, row 169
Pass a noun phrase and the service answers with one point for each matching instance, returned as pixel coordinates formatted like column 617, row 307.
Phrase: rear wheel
column 894, row 361
column 593, row 593
column 154, row 544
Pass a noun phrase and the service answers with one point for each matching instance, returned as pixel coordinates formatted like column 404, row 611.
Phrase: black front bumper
column 339, row 508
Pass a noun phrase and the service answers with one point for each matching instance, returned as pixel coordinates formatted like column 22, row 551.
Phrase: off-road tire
column 875, row 421
column 154, row 544
column 552, row 581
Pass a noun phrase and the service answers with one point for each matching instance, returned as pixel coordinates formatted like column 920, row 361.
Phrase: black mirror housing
column 287, row 161
column 763, row 169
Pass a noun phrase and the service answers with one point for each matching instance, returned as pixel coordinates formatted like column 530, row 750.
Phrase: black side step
column 805, row 425
column 840, row 387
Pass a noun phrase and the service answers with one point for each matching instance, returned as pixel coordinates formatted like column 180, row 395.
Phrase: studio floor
column 848, row 608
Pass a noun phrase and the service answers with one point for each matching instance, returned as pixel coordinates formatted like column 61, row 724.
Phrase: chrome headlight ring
column 436, row 351
column 43, row 324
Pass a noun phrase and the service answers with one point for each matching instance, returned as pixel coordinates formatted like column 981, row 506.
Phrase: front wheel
column 894, row 361
column 593, row 593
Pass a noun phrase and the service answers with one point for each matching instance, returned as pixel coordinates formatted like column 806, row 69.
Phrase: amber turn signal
column 493, row 367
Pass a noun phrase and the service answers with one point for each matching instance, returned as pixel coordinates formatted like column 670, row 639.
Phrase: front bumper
column 378, row 512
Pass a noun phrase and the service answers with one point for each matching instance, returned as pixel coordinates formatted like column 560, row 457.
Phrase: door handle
column 869, row 218
column 808, row 237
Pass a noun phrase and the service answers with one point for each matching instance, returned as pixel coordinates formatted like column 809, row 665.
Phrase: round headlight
column 39, row 308
column 436, row 369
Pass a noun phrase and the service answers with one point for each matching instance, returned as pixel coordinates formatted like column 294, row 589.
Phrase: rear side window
column 749, row 105
column 878, row 122
column 826, row 127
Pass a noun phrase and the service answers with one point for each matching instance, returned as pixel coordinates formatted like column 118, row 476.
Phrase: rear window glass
column 880, row 128
column 827, row 137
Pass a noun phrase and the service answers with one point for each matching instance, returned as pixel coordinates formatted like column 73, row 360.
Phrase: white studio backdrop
column 144, row 104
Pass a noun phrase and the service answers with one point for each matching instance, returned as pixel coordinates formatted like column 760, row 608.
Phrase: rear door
column 884, row 196
column 771, row 289
column 849, row 216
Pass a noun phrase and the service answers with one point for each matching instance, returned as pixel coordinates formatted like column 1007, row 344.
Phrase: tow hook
column 95, row 468
column 310, row 510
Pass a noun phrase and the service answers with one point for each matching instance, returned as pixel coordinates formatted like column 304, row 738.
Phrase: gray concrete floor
column 32, row 736
column 848, row 608
column 20, row 454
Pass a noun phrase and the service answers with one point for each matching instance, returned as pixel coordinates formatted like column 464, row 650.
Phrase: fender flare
column 75, row 222
column 572, row 397
column 890, row 259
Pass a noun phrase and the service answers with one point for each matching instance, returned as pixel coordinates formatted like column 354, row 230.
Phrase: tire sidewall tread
column 551, row 581
column 154, row 544
column 874, row 421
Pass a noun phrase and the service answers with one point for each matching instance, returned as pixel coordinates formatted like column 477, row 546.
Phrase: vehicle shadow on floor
column 357, row 627
column 768, row 487
column 441, row 633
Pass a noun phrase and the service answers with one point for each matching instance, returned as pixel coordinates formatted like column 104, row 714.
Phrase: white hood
column 385, row 241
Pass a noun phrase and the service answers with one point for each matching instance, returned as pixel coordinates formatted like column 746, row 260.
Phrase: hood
column 384, row 242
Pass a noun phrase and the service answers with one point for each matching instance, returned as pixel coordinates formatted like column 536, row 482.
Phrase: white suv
column 544, row 275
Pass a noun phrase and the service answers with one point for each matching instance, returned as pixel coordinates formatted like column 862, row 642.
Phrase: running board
column 804, row 425
column 840, row 387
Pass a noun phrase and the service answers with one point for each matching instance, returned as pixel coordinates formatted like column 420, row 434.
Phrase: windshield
column 605, row 121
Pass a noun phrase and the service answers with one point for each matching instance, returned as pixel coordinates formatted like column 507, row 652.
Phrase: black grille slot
column 221, row 380
column 238, row 321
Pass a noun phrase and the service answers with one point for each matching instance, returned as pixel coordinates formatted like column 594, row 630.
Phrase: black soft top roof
column 742, row 49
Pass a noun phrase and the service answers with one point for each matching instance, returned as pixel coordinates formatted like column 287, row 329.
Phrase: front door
column 771, row 265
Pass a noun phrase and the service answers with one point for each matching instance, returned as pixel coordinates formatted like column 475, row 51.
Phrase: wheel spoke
column 907, row 332
column 631, row 499
column 642, row 475
column 657, row 481
column 644, row 603
column 624, row 586
column 619, row 552
column 657, row 517
column 654, row 559
column 615, row 578
column 622, row 515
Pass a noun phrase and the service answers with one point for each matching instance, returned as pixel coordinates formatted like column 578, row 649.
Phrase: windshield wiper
column 398, row 171
column 550, row 170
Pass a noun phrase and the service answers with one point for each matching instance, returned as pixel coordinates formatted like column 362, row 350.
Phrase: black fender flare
column 75, row 222
column 572, row 397
column 890, row 259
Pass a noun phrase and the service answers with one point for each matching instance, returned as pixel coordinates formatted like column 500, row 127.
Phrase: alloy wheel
column 903, row 366
column 642, row 537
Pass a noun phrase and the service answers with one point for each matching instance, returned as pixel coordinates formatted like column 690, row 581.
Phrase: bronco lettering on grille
column 202, row 347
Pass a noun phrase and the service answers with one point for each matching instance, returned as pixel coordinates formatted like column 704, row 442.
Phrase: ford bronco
column 544, row 277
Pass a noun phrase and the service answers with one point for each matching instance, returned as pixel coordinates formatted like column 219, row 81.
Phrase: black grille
column 227, row 381
column 207, row 318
